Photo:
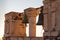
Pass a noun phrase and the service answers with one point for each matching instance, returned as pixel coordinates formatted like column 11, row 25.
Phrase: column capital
column 31, row 12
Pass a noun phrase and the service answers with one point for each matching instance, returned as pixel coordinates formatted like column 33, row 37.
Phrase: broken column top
column 31, row 11
column 13, row 15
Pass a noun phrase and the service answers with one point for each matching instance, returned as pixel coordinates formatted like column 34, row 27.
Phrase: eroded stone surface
column 51, row 18
column 31, row 14
column 14, row 25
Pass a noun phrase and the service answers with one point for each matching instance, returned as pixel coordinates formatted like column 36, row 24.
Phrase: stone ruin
column 15, row 29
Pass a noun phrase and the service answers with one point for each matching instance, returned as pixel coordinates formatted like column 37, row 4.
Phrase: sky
column 17, row 6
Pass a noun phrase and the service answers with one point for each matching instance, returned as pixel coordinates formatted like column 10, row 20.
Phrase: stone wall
column 23, row 38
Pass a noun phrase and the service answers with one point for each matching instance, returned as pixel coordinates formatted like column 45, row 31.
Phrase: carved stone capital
column 31, row 12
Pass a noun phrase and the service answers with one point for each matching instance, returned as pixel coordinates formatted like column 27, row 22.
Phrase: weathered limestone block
column 19, row 28
column 13, row 38
column 34, row 38
column 31, row 14
column 46, row 34
column 14, row 25
column 54, row 33
column 19, row 38
column 52, row 20
column 26, row 38
column 50, row 35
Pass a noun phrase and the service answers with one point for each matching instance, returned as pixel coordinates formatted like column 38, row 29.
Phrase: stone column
column 31, row 13
column 51, row 19
column 32, row 26
column 14, row 27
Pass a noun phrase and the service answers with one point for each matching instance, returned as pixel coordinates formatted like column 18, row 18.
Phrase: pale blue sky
column 15, row 5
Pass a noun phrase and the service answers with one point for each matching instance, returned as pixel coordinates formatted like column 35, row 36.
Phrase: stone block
column 26, row 38
column 19, row 29
column 20, row 38
column 34, row 38
column 40, row 38
column 14, row 25
column 47, row 39
column 54, row 33
column 46, row 34
column 13, row 38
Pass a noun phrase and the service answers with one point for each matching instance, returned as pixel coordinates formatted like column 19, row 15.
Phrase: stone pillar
column 32, row 26
column 31, row 13
column 14, row 26
column 51, row 19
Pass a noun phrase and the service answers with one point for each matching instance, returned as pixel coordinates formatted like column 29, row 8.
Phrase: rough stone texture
column 32, row 26
column 46, row 34
column 31, row 14
column 52, row 13
column 34, row 39
column 24, row 38
column 13, row 38
column 19, row 38
column 54, row 33
column 45, row 22
column 15, row 29
column 51, row 18
column 14, row 25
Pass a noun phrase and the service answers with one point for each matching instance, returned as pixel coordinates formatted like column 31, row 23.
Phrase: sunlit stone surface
column 31, row 14
column 51, row 19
